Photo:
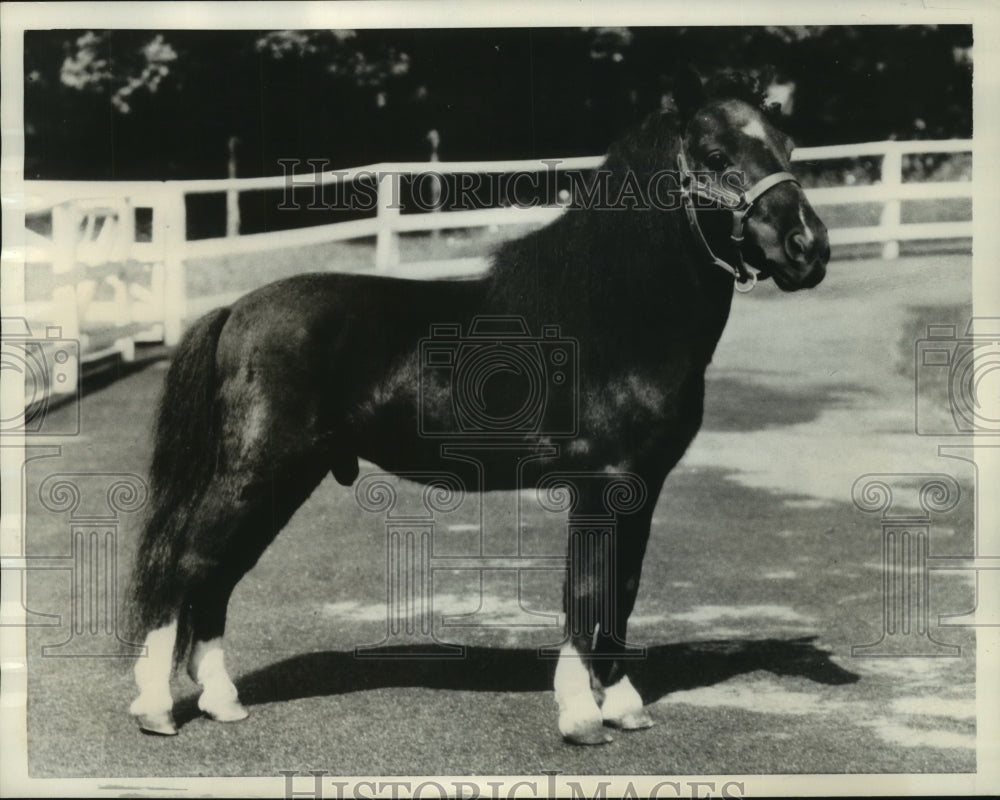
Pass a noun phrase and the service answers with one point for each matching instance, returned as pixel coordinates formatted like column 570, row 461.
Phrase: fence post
column 434, row 138
column 232, row 195
column 172, row 231
column 892, row 179
column 387, row 238
column 124, row 246
column 65, row 230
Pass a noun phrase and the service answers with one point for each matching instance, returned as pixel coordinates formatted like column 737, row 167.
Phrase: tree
column 147, row 104
column 93, row 66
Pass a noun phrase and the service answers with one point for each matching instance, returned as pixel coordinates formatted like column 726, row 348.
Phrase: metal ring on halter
column 747, row 286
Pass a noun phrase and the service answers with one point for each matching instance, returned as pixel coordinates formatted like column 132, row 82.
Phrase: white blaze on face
column 755, row 129
column 808, row 234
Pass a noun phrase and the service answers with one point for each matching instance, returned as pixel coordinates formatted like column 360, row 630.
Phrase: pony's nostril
column 796, row 245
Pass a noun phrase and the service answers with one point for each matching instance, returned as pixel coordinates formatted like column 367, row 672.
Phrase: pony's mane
column 655, row 137
column 588, row 259
column 741, row 86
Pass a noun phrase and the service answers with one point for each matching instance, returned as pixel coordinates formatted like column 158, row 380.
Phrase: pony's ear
column 764, row 78
column 689, row 94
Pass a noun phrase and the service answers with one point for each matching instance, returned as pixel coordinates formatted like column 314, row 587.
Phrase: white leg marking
column 623, row 706
column 152, row 676
column 579, row 717
column 218, row 697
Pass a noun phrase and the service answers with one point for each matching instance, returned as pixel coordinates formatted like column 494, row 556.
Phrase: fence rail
column 94, row 223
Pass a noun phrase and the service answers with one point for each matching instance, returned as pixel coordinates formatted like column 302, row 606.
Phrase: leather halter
column 746, row 276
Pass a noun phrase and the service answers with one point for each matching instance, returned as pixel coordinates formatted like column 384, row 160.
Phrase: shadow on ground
column 747, row 404
column 665, row 669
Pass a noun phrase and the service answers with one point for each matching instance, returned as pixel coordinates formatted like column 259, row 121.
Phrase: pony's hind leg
column 219, row 698
column 220, row 556
column 212, row 560
column 239, row 446
column 152, row 708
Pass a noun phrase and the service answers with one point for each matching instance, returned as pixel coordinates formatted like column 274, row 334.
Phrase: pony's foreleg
column 601, row 589
column 622, row 706
column 152, row 675
column 580, row 720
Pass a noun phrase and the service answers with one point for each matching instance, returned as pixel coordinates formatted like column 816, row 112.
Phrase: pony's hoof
column 589, row 736
column 635, row 721
column 157, row 724
column 231, row 712
column 580, row 722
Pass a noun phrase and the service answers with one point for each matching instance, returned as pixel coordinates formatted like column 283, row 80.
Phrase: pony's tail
column 186, row 444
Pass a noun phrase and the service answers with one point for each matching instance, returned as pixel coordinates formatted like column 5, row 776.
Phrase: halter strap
column 745, row 274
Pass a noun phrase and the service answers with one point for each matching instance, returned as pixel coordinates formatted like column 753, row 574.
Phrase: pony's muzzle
column 806, row 247
column 809, row 250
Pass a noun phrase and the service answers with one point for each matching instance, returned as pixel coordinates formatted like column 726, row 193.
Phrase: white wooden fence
column 110, row 307
column 890, row 191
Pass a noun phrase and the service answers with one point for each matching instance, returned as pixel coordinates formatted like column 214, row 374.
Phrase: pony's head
column 741, row 160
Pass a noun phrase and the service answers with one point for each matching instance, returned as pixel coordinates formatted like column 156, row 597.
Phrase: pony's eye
column 716, row 161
